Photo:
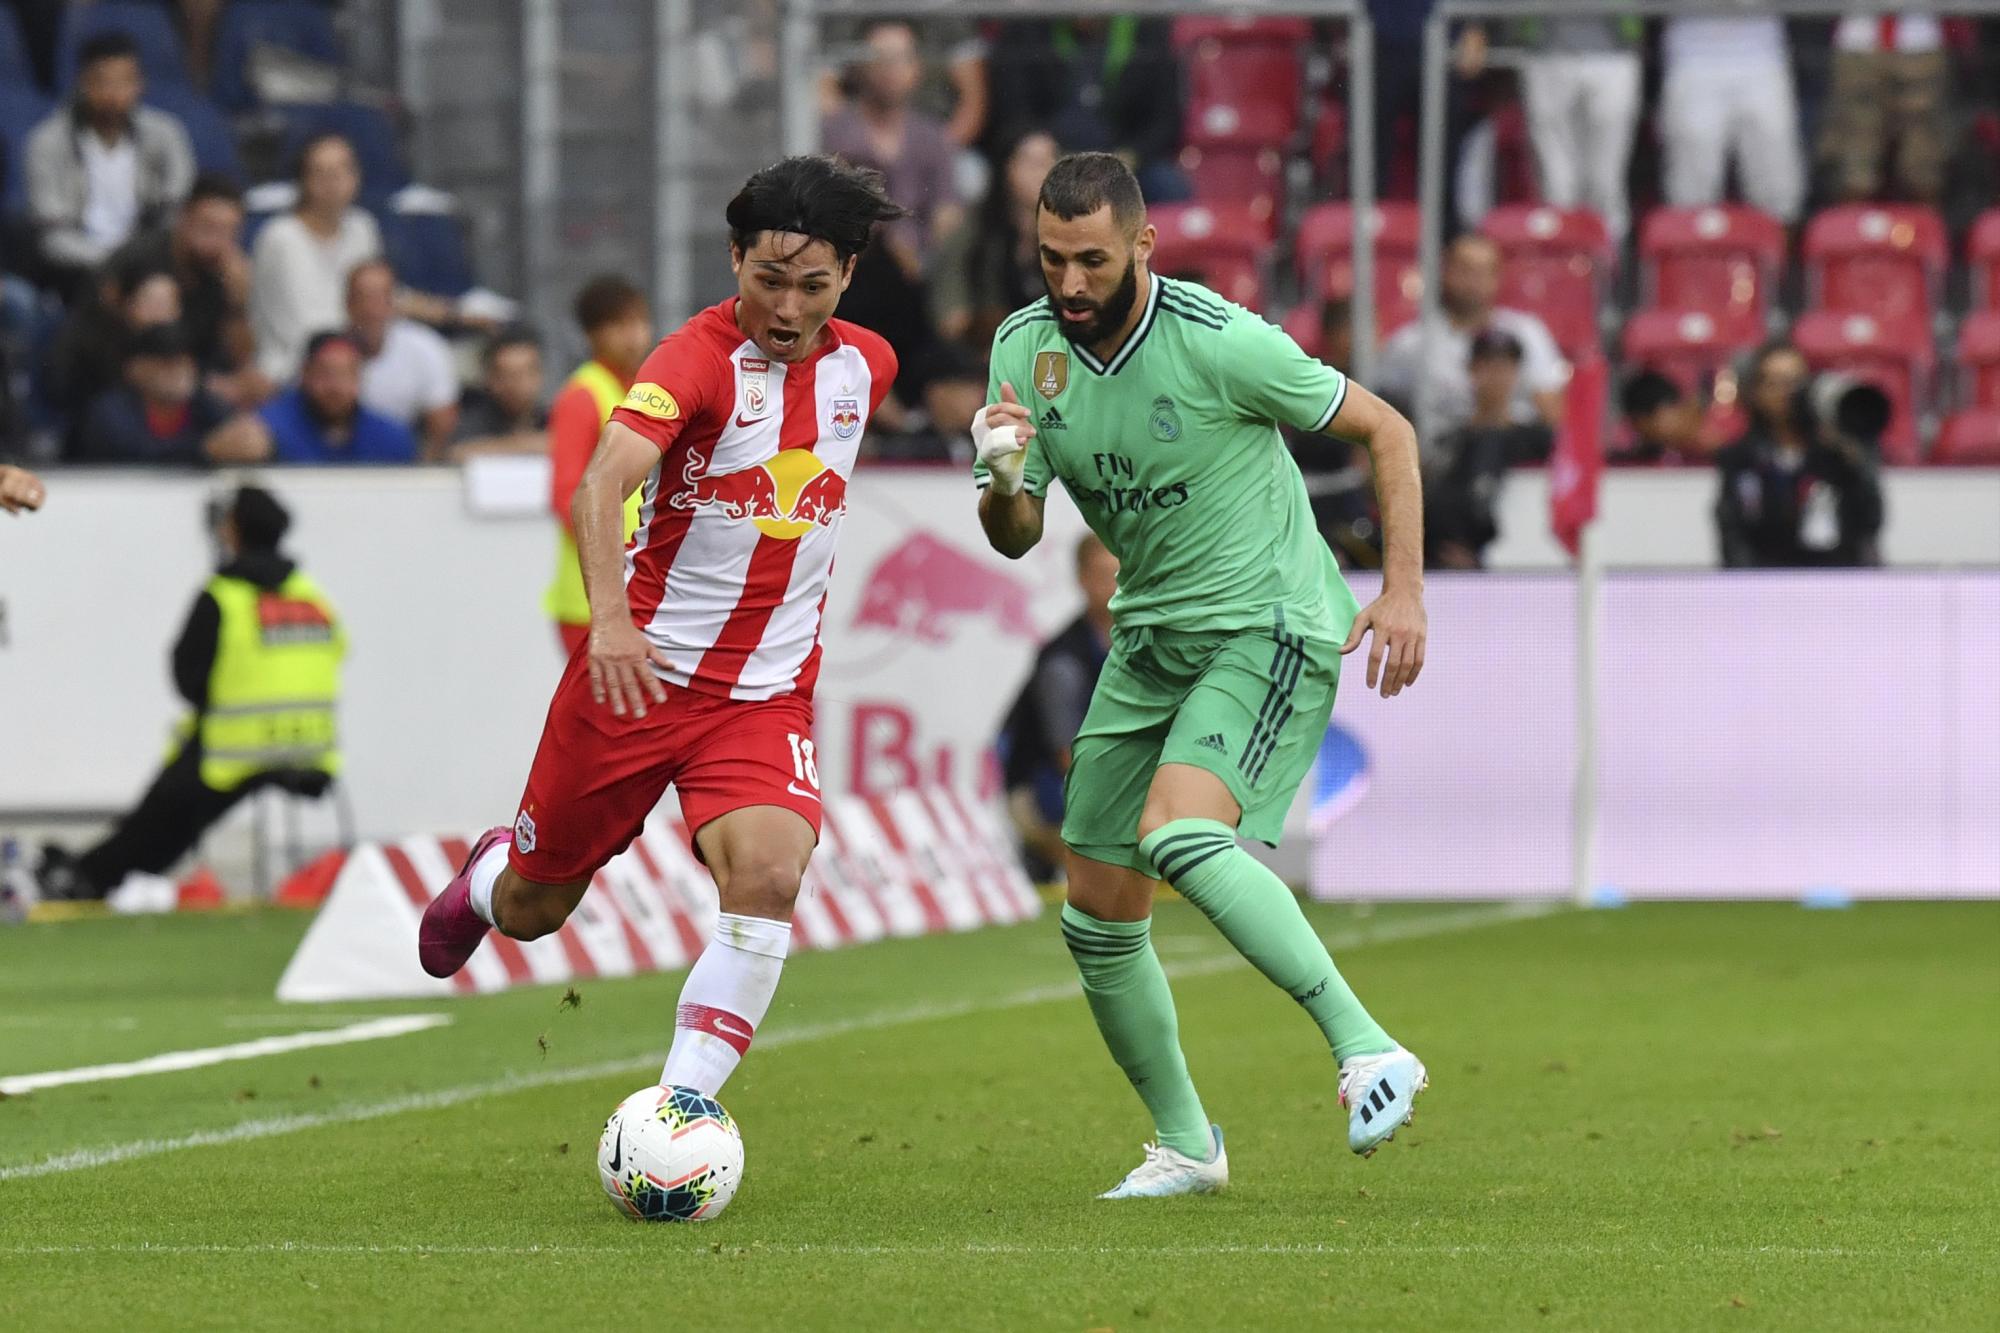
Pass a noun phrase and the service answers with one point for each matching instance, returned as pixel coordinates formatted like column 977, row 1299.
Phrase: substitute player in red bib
column 742, row 427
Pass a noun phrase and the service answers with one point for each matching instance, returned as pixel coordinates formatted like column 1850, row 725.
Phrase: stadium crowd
column 1719, row 206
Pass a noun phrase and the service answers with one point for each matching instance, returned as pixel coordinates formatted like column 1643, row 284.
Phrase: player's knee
column 765, row 886
column 1157, row 814
column 531, row 911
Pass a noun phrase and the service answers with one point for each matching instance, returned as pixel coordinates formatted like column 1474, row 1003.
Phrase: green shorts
column 1249, row 706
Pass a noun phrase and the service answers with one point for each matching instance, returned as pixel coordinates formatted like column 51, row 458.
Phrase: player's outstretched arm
column 1397, row 616
column 1011, row 516
column 19, row 489
column 619, row 675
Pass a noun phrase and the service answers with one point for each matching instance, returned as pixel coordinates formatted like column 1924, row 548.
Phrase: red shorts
column 597, row 775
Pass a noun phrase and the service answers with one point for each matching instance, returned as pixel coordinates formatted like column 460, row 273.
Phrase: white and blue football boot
column 1380, row 1094
column 1166, row 1172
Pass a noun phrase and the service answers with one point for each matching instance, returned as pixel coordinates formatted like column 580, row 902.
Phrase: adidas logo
column 1052, row 420
column 1214, row 742
column 1378, row 1100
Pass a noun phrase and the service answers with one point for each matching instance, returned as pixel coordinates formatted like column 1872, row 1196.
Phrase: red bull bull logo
column 926, row 587
column 787, row 495
column 845, row 417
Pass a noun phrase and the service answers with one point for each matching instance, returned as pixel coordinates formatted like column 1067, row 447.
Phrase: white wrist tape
column 1000, row 448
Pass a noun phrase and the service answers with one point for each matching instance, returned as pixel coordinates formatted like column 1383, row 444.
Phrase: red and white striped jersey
column 727, row 573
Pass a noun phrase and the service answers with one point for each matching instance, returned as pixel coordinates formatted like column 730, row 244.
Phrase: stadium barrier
column 921, row 861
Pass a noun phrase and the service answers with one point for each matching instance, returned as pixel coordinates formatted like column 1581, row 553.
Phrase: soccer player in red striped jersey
column 742, row 427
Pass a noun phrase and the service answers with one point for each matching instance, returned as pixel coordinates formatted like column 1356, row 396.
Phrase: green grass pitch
column 1665, row 1117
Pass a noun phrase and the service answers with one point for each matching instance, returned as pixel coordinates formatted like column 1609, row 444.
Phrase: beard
column 1110, row 313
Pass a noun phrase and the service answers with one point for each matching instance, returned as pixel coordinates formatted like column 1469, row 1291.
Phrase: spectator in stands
column 1580, row 88
column 1887, row 102
column 990, row 265
column 202, row 250
column 301, row 260
column 261, row 705
column 1470, row 464
column 1667, row 423
column 1791, row 495
column 88, row 357
column 1469, row 287
column 104, row 166
column 953, row 58
column 1727, row 95
column 1035, row 738
column 161, row 413
column 408, row 373
column 319, row 421
column 1339, row 476
column 880, row 128
column 1098, row 85
column 504, row 414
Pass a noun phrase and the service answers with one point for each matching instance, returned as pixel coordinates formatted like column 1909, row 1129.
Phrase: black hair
column 1796, row 414
column 815, row 196
column 514, row 335
column 134, row 271
column 1489, row 343
column 313, row 143
column 111, row 44
column 604, row 299
column 1646, row 393
column 261, row 522
column 214, row 185
column 1082, row 183
column 159, row 340
column 325, row 338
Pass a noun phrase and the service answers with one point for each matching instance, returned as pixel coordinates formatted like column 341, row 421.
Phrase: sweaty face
column 110, row 87
column 1091, row 267
column 331, row 381
column 208, row 230
column 788, row 286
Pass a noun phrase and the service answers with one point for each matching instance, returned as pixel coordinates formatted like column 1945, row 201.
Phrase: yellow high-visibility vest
column 565, row 600
column 275, row 685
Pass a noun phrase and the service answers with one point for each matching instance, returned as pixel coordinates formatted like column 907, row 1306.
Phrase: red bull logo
column 786, row 496
column 925, row 585
column 845, row 417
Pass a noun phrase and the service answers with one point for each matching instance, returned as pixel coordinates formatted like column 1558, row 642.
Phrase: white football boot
column 1166, row 1172
column 1380, row 1094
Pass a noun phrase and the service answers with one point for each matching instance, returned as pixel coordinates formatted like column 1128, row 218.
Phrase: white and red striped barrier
column 921, row 861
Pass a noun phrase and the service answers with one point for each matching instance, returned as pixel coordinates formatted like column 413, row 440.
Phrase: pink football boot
column 451, row 930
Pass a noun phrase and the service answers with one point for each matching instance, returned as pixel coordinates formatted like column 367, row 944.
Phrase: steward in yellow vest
column 259, row 665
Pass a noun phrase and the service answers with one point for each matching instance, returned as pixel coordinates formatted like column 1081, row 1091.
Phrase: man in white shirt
column 1467, row 290
column 1887, row 100
column 408, row 373
column 1727, row 93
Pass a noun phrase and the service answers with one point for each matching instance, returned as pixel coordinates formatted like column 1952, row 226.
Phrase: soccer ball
column 670, row 1155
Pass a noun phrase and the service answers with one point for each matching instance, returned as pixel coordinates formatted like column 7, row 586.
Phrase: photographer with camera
column 1800, row 488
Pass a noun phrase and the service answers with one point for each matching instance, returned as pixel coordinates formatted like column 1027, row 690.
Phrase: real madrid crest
column 1164, row 422
column 1051, row 373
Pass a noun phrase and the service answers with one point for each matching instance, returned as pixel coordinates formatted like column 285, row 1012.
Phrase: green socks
column 1135, row 1011
column 1257, row 913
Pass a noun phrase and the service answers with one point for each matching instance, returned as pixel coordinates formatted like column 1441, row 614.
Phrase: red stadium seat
column 1302, row 321
column 1220, row 245
column 1237, row 174
column 1688, row 346
column 1969, row 439
column 1723, row 260
column 1325, row 252
column 1883, row 260
column 1979, row 359
column 1243, row 31
column 1242, row 94
column 1982, row 251
column 1894, row 355
column 1555, row 264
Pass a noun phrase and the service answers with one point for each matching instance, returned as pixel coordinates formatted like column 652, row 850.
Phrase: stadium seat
column 1969, row 439
column 295, row 25
column 1555, row 263
column 1226, row 174
column 1688, row 346
column 1242, row 94
column 1325, row 252
column 207, row 128
column 151, row 25
column 1885, row 260
column 1982, row 250
column 1221, row 245
column 16, row 71
column 21, row 109
column 1979, row 359
column 364, row 126
column 1895, row 355
column 427, row 248
column 1723, row 260
column 1302, row 322
column 1241, row 31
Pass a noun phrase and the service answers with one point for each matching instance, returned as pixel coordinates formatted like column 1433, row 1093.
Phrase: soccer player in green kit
column 1157, row 403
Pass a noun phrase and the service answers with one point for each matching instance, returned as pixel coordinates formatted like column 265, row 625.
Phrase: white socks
column 485, row 873
column 724, row 999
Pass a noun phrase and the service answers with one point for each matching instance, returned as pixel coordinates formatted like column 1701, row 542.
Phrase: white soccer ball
column 670, row 1155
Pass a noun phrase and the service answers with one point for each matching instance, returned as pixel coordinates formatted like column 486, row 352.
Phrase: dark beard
column 1109, row 316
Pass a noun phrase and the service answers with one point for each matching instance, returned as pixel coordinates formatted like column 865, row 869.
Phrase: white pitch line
column 84, row 1159
column 375, row 1029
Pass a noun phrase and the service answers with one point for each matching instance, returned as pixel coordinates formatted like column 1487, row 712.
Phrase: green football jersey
column 1171, row 451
